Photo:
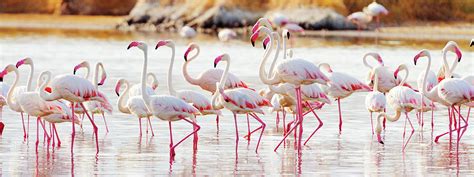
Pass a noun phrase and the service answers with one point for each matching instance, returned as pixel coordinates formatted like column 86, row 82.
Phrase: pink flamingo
column 12, row 97
column 198, row 100
column 341, row 85
column 3, row 101
column 75, row 89
column 401, row 99
column 295, row 71
column 237, row 100
column 375, row 101
column 135, row 90
column 133, row 105
column 166, row 107
column 207, row 79
column 97, row 107
column 450, row 92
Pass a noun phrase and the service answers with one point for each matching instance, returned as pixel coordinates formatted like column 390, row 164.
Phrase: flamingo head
column 262, row 21
column 453, row 47
column 422, row 53
column 265, row 42
column 140, row 45
column 253, row 38
column 399, row 68
column 220, row 58
column 191, row 47
column 102, row 79
column 167, row 43
column 8, row 68
column 81, row 65
column 326, row 66
column 118, row 85
column 26, row 60
column 154, row 82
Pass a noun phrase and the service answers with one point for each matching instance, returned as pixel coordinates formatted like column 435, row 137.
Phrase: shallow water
column 122, row 152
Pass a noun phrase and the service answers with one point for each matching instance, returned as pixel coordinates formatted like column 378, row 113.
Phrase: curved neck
column 153, row 79
column 88, row 71
column 378, row 128
column 29, row 86
column 365, row 60
column 121, row 100
column 284, row 39
column 95, row 80
column 10, row 102
column 405, row 78
column 171, row 90
column 448, row 72
column 186, row 75
column 145, row 95
column 262, row 74
column 43, row 82
column 272, row 66
column 220, row 85
column 376, row 80
column 424, row 90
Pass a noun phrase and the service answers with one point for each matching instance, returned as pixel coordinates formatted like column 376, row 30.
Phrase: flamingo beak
column 19, row 63
column 217, row 60
column 253, row 38
column 102, row 80
column 255, row 27
column 133, row 44
column 416, row 58
column 186, row 53
column 76, row 68
column 395, row 74
column 117, row 89
column 160, row 43
column 265, row 42
column 458, row 53
column 379, row 138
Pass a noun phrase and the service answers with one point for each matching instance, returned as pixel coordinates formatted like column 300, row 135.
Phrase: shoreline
column 428, row 31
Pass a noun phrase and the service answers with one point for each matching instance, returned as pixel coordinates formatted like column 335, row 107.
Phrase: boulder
column 316, row 18
column 28, row 6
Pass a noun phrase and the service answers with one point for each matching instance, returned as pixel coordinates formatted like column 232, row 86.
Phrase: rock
column 316, row 18
column 97, row 7
column 28, row 6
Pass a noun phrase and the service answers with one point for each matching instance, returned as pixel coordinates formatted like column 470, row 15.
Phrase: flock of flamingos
column 293, row 85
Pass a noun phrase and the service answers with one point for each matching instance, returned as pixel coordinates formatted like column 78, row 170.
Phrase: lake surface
column 353, row 153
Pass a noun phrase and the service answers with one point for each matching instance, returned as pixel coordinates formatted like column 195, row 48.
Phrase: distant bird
column 340, row 86
column 376, row 10
column 226, row 35
column 187, row 32
column 279, row 19
column 360, row 19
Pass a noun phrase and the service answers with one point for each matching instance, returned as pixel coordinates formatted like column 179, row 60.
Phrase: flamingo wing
column 299, row 71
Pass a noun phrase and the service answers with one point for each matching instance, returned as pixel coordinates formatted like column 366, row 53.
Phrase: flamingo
column 12, row 97
column 97, row 107
column 198, row 100
column 74, row 89
column 376, row 10
column 451, row 92
column 401, row 99
column 295, row 71
column 341, row 85
column 451, row 46
column 375, row 101
column 133, row 105
column 207, row 79
column 31, row 103
column 3, row 101
column 226, row 35
column 165, row 107
column 236, row 100
column 360, row 19
column 187, row 32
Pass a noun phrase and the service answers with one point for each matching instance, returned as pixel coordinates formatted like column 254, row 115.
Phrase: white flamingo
column 165, row 107
column 198, row 100
column 375, row 101
column 236, row 100
column 187, row 32
column 376, row 10
column 225, row 35
column 360, row 19
column 133, row 105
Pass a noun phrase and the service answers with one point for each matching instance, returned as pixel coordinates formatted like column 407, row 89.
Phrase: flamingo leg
column 277, row 120
column 459, row 131
column 73, row 134
column 287, row 134
column 57, row 135
column 454, row 118
column 105, row 122
column 284, row 120
column 445, row 133
column 466, row 121
column 172, row 153
column 195, row 130
column 217, row 123
column 94, row 126
column 28, row 126
column 195, row 137
column 451, row 117
column 319, row 126
column 248, row 127
column 24, row 129
column 412, row 131
column 432, row 118
column 45, row 133
column 151, row 127
column 236, row 135
column 140, row 125
column 37, row 134
column 404, row 130
column 51, row 132
column 261, row 132
column 300, row 117
column 340, row 115
column 371, row 122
